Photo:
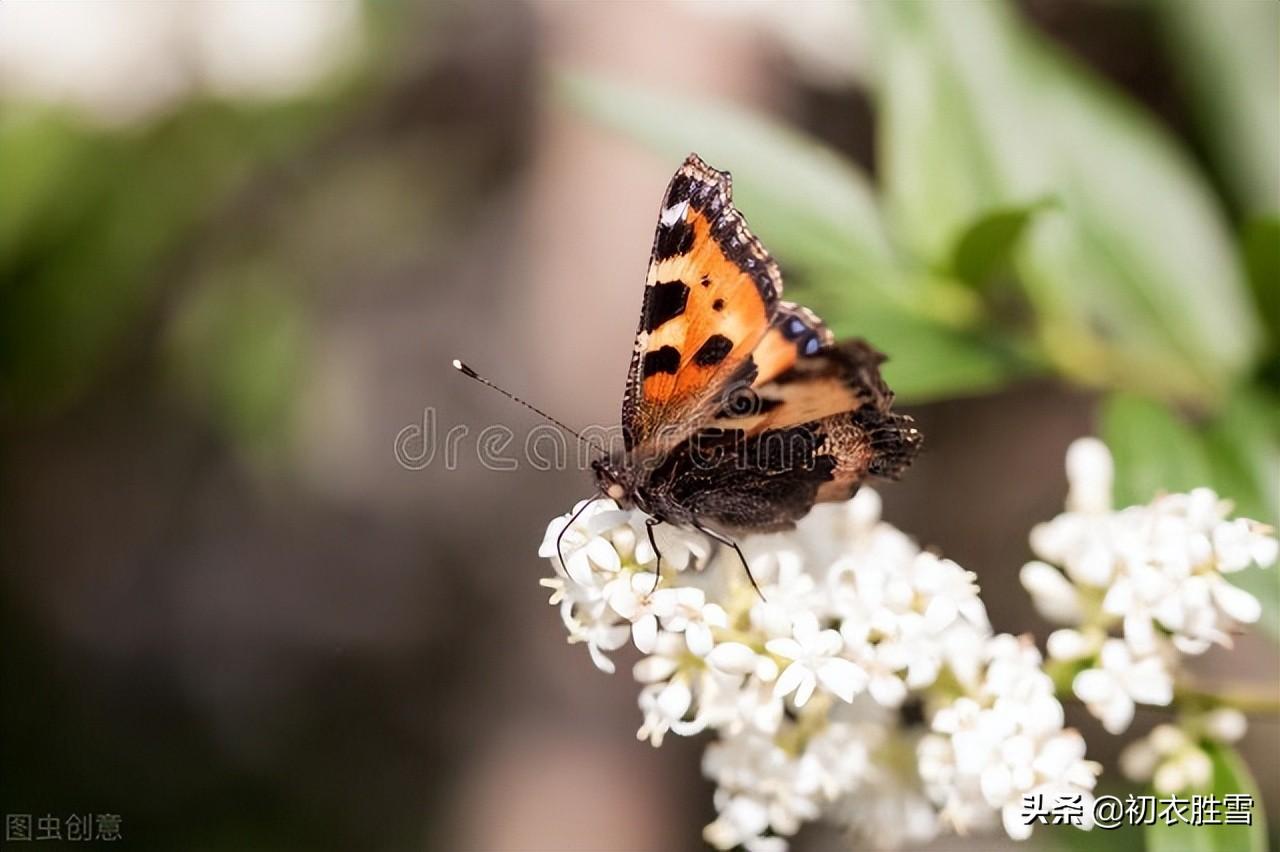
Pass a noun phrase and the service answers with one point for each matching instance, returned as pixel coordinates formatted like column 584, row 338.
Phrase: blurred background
column 240, row 243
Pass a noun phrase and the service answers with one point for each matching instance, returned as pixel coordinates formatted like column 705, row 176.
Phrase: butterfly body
column 741, row 411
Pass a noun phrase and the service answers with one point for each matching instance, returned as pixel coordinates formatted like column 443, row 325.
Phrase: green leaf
column 929, row 362
column 98, row 216
column 1230, row 775
column 1243, row 443
column 1243, row 447
column 1260, row 245
column 1228, row 54
column 1134, row 279
column 237, row 346
column 1154, row 451
column 985, row 247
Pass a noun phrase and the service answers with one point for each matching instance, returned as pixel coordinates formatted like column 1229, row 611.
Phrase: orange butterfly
column 741, row 411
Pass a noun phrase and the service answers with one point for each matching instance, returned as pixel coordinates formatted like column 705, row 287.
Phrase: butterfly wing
column 710, row 296
column 744, row 407
column 817, row 431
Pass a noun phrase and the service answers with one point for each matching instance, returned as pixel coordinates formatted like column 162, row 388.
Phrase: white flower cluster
column 1157, row 571
column 864, row 686
column 1171, row 756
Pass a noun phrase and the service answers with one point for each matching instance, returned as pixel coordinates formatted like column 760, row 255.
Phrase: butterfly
column 741, row 411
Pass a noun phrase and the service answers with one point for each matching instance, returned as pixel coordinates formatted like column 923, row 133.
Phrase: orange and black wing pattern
column 812, row 434
column 709, row 299
column 741, row 408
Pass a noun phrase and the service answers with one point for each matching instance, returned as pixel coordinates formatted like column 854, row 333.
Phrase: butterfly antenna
column 472, row 374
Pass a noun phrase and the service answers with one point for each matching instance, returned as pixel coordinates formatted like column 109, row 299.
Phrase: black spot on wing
column 664, row 360
column 715, row 350
column 663, row 301
column 717, row 305
column 705, row 281
column 673, row 240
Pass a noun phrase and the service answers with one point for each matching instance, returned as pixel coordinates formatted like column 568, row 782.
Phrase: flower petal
column 843, row 677
column 732, row 658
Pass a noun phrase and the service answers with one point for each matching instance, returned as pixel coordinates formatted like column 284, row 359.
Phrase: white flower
column 1225, row 724
column 754, row 766
column 733, row 658
column 853, row 610
column 890, row 809
column 1110, row 690
column 1090, row 473
column 837, row 759
column 669, row 692
column 1167, row 757
column 788, row 590
column 815, row 658
column 1157, row 569
column 732, row 704
column 686, row 610
column 633, row 597
column 682, row 609
column 599, row 637
column 741, row 821
column 1241, row 543
column 1006, row 742
column 905, row 613
column 1071, row 645
column 1054, row 596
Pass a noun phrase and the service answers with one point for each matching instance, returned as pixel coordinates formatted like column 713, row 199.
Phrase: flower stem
column 1249, row 701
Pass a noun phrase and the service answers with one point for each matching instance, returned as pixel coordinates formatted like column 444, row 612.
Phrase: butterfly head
column 614, row 482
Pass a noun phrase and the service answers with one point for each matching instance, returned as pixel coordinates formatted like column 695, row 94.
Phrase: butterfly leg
column 560, row 537
column 649, row 524
column 724, row 539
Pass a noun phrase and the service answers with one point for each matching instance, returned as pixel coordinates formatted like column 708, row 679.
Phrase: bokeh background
column 240, row 243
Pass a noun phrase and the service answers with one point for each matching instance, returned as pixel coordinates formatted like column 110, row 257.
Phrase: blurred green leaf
column 1228, row 54
column 1243, row 442
column 1230, row 775
column 804, row 200
column 1243, row 450
column 238, row 349
column 935, row 162
column 37, row 158
column 1133, row 279
column 985, row 247
column 926, row 361
column 1260, row 244
column 97, row 214
column 1154, row 450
